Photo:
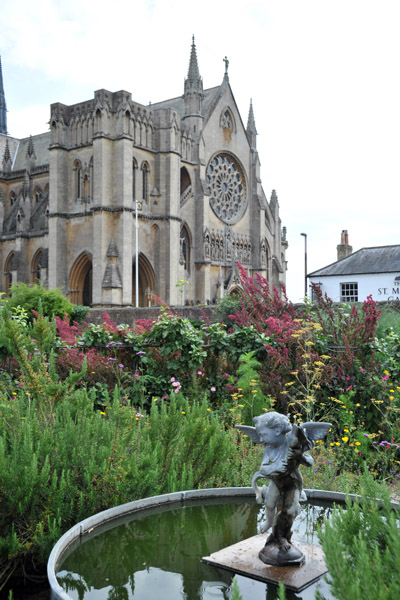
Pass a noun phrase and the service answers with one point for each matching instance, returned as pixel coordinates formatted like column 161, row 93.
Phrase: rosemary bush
column 362, row 547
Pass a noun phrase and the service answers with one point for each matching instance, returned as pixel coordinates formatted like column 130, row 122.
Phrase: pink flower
column 176, row 384
column 213, row 389
column 172, row 379
column 349, row 388
column 385, row 377
column 199, row 372
column 136, row 375
column 176, row 390
column 362, row 370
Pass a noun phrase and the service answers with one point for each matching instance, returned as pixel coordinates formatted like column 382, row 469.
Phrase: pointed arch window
column 145, row 182
column 134, row 169
column 78, row 179
column 185, row 249
column 91, row 186
column 13, row 198
column 37, row 195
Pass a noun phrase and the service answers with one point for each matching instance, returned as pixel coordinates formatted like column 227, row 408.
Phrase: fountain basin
column 237, row 518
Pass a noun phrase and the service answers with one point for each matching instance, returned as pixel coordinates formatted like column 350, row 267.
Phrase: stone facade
column 179, row 181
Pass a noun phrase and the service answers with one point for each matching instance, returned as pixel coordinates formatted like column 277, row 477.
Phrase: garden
column 95, row 415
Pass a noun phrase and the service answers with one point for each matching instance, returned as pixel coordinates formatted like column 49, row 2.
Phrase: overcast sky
column 323, row 76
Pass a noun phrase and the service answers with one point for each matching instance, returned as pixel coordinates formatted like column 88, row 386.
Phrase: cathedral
column 119, row 202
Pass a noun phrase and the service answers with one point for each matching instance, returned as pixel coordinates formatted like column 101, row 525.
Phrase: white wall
column 382, row 286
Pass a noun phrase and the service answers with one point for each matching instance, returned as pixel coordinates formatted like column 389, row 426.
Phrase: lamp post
column 138, row 206
column 305, row 263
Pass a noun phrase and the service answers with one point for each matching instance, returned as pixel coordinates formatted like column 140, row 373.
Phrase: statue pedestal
column 243, row 558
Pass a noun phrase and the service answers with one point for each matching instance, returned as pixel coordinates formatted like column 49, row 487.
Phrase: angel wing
column 250, row 431
column 316, row 431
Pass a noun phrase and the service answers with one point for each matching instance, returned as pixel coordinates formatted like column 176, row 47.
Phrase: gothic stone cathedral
column 182, row 175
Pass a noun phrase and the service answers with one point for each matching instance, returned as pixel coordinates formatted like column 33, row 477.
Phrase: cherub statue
column 285, row 450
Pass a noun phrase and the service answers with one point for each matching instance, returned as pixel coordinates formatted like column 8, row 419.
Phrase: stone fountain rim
column 88, row 525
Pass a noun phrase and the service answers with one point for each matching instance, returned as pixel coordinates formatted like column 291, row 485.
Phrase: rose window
column 227, row 188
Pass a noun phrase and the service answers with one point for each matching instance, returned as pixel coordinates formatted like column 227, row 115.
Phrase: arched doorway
column 80, row 280
column 146, row 281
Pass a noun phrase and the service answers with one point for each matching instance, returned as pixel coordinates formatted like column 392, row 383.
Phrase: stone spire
column 193, row 95
column 3, row 106
column 193, row 79
column 251, row 127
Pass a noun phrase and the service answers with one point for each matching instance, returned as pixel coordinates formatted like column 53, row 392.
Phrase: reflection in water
column 159, row 552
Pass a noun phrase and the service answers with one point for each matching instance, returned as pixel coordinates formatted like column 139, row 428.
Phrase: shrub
column 35, row 297
column 362, row 547
column 53, row 473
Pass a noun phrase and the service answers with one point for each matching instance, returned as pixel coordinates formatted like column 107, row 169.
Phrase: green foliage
column 35, row 297
column 78, row 313
column 249, row 388
column 362, row 547
column 55, row 472
column 229, row 305
column 389, row 320
column 236, row 595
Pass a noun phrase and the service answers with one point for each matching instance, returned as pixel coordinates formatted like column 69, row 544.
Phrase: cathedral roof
column 41, row 145
column 178, row 104
column 367, row 261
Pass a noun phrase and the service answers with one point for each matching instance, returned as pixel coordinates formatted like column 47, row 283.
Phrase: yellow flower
column 337, row 443
column 208, row 409
column 346, row 430
column 345, row 438
column 183, row 412
column 386, row 372
column 102, row 413
column 358, row 443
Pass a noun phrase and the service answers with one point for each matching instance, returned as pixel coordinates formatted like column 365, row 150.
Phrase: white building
column 369, row 271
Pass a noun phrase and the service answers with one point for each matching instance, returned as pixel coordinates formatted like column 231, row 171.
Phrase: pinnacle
column 30, row 151
column 251, row 124
column 193, row 73
column 7, row 155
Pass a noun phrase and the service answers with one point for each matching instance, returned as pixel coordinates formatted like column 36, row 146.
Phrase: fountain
column 174, row 541
column 285, row 449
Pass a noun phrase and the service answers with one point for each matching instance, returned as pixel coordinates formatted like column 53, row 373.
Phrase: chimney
column 344, row 249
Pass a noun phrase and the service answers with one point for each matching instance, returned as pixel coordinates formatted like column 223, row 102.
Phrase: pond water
column 157, row 554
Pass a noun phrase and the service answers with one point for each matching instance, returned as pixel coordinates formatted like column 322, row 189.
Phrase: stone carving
column 285, row 450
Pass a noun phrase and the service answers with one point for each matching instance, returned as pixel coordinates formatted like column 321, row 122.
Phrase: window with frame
column 349, row 292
